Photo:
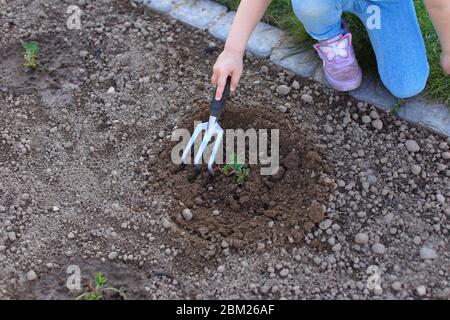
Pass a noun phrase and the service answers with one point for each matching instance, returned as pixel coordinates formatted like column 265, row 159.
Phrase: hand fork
column 211, row 128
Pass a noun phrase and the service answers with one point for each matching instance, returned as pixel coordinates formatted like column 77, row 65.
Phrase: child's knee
column 407, row 87
column 311, row 10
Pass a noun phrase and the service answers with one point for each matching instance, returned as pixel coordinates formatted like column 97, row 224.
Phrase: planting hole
column 263, row 212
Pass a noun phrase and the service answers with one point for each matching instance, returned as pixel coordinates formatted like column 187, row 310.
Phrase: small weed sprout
column 238, row 169
column 97, row 293
column 30, row 55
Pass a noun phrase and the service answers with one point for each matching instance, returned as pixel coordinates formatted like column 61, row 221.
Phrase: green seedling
column 238, row 169
column 97, row 292
column 30, row 55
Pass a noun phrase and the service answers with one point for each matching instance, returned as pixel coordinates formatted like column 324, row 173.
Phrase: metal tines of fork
column 212, row 129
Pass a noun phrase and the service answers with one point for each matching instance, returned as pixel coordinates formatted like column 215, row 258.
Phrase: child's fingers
column 235, row 79
column 214, row 79
column 215, row 75
column 222, row 80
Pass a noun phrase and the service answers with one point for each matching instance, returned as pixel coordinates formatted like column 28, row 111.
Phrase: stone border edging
column 275, row 44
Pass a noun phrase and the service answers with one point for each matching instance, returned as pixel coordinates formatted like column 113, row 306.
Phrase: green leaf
column 100, row 279
column 31, row 47
column 239, row 169
column 123, row 294
column 94, row 295
column 227, row 169
column 243, row 175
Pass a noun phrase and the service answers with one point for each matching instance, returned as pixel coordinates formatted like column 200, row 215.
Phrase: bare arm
column 439, row 11
column 250, row 12
column 229, row 62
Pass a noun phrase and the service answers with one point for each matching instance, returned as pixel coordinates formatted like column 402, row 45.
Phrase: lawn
column 438, row 88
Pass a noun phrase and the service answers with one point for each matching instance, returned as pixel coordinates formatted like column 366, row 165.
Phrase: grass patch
column 280, row 14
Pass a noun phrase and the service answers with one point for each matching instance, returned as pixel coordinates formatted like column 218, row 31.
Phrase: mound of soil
column 273, row 210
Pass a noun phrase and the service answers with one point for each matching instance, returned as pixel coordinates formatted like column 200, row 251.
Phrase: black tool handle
column 218, row 105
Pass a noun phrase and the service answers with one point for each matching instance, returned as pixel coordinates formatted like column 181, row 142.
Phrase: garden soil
column 87, row 183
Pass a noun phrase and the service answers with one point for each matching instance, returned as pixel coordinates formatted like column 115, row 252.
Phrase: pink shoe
column 339, row 62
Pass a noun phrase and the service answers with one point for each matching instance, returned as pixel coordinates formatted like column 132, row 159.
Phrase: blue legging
column 397, row 43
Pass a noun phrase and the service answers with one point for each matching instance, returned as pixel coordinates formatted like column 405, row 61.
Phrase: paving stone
column 198, row 13
column 374, row 92
column 319, row 76
column 301, row 61
column 161, row 5
column 221, row 28
column 263, row 39
column 436, row 117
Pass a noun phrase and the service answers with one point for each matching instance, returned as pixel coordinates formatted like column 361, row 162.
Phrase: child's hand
column 229, row 63
column 445, row 62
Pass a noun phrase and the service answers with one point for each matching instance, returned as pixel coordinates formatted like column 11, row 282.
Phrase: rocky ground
column 85, row 178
